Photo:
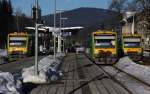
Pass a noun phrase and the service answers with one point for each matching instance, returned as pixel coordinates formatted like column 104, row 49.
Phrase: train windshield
column 17, row 41
column 132, row 42
column 104, row 41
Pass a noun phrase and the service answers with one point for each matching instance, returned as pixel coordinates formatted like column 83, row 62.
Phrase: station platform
column 81, row 76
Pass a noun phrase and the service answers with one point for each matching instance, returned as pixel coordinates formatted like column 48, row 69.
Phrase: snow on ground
column 3, row 53
column 146, row 53
column 139, row 71
column 8, row 84
column 135, row 86
column 48, row 70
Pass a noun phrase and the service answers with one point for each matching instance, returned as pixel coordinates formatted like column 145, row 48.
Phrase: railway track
column 81, row 76
column 108, row 79
column 18, row 65
column 7, row 60
column 102, row 67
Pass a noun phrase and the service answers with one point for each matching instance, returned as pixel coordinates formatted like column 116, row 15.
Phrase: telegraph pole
column 59, row 36
column 36, row 39
column 63, row 25
column 55, row 31
column 59, row 50
column 133, row 22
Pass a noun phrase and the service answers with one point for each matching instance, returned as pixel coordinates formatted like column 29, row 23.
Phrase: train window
column 132, row 44
column 104, row 43
column 17, row 41
column 132, row 39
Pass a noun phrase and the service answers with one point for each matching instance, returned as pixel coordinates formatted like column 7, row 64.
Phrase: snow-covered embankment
column 48, row 70
column 138, row 71
column 9, row 84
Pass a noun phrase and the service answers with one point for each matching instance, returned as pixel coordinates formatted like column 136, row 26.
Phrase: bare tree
column 117, row 5
column 143, row 4
column 20, row 16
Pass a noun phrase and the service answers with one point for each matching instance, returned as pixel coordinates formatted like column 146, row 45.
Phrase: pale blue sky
column 47, row 6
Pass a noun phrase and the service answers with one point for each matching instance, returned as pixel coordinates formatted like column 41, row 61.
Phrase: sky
column 47, row 6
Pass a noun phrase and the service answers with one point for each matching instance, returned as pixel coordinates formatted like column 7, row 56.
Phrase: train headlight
column 96, row 51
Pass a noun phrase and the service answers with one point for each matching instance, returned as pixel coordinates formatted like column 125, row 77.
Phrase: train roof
column 104, row 32
column 18, row 33
column 133, row 35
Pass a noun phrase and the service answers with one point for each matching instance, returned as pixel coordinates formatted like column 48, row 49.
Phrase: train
column 17, row 44
column 103, row 47
column 132, row 46
column 22, row 44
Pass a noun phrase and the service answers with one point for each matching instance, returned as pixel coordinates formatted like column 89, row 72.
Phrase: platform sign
column 65, row 34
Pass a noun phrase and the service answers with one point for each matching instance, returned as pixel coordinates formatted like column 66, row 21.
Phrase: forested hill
column 83, row 17
column 90, row 18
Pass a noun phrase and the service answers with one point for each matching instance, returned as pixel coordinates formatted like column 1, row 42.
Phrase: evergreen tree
column 6, row 21
column 0, row 22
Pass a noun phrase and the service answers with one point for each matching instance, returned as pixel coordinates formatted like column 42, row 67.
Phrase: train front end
column 105, row 46
column 17, row 44
column 132, row 46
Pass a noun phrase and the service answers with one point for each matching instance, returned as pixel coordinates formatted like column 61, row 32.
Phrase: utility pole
column 63, row 25
column 36, row 39
column 59, row 36
column 59, row 50
column 133, row 25
column 55, row 31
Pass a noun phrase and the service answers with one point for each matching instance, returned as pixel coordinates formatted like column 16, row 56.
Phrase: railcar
column 102, row 46
column 132, row 46
column 17, row 44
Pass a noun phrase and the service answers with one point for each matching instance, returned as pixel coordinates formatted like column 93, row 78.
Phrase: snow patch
column 131, row 84
column 139, row 71
column 48, row 70
column 3, row 53
column 30, row 76
column 9, row 85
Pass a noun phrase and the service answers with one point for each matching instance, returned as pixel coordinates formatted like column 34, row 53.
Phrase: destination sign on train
column 104, row 37
column 132, row 39
column 18, row 38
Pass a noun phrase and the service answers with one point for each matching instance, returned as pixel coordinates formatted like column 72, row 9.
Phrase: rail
column 118, row 71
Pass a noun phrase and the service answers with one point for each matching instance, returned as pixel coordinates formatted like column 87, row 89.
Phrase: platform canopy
column 51, row 29
column 56, row 30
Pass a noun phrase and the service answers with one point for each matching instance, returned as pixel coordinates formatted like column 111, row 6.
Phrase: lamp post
column 59, row 35
column 133, row 24
column 129, row 14
column 62, row 33
column 54, row 30
column 36, row 39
